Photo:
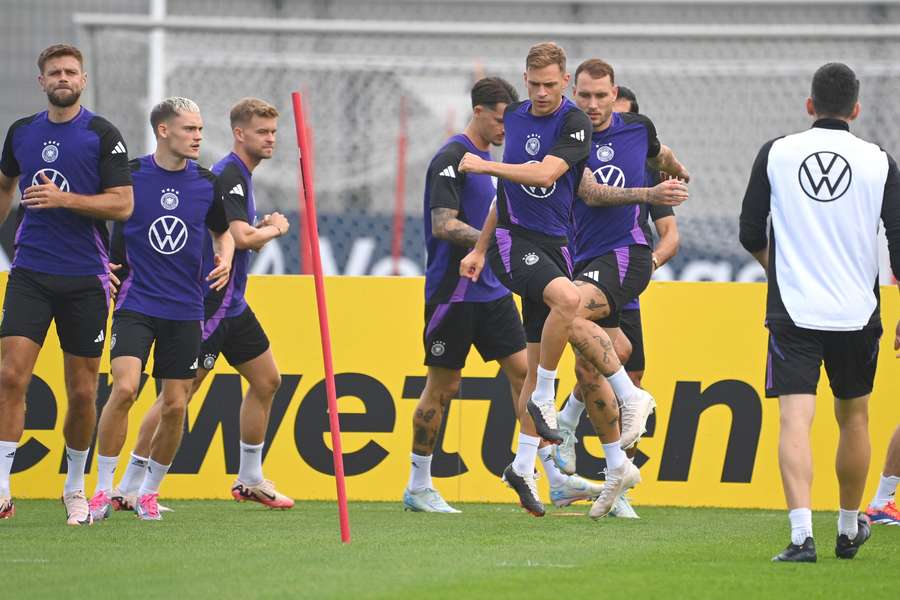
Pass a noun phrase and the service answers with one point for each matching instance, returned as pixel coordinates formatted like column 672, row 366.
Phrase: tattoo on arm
column 596, row 194
column 446, row 225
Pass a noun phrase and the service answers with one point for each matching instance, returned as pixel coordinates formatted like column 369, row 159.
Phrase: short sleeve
column 234, row 190
column 113, row 160
column 574, row 142
column 445, row 187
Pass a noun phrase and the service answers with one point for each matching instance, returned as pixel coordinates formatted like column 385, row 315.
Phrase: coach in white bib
column 827, row 192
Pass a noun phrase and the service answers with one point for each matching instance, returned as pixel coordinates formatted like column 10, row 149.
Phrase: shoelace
column 150, row 506
column 98, row 501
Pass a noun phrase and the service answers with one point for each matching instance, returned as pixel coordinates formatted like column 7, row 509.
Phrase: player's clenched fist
column 472, row 163
column 278, row 221
column 472, row 264
column 670, row 192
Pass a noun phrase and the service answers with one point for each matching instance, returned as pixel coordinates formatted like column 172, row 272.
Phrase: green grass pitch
column 218, row 549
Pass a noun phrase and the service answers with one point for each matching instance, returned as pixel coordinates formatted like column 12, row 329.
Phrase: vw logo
column 55, row 178
column 610, row 175
column 168, row 234
column 825, row 176
column 536, row 191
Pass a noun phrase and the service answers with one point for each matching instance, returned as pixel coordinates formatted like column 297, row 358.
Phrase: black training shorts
column 79, row 305
column 494, row 328
column 796, row 355
column 526, row 262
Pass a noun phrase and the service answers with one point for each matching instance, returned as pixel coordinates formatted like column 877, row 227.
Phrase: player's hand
column 114, row 282
column 670, row 192
column 897, row 339
column 219, row 275
column 45, row 195
column 681, row 173
column 472, row 163
column 278, row 221
column 472, row 265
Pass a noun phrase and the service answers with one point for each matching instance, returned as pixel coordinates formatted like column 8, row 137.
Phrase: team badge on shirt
column 531, row 258
column 169, row 199
column 605, row 153
column 51, row 151
column 438, row 348
column 533, row 144
column 209, row 361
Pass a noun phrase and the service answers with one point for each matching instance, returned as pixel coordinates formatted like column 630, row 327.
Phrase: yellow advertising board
column 713, row 441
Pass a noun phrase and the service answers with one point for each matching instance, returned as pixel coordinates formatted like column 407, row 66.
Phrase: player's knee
column 82, row 397
column 123, row 394
column 448, row 390
column 13, row 381
column 271, row 383
column 173, row 408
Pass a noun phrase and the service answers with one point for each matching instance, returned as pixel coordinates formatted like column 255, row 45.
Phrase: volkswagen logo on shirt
column 55, row 177
column 825, row 176
column 610, row 175
column 168, row 234
column 536, row 191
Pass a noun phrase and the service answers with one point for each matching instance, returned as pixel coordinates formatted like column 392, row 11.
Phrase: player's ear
column 810, row 108
column 855, row 113
column 615, row 93
column 238, row 134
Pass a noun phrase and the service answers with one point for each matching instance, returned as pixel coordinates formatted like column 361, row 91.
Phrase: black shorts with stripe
column 239, row 339
column 526, row 262
column 795, row 357
column 622, row 275
column 451, row 329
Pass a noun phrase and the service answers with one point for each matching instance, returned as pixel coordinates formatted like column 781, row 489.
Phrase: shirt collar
column 828, row 123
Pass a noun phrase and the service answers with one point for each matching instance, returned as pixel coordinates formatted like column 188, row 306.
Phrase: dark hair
column 491, row 91
column 57, row 50
column 626, row 94
column 835, row 90
column 597, row 69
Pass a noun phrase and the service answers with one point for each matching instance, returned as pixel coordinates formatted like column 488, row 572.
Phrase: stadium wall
column 713, row 441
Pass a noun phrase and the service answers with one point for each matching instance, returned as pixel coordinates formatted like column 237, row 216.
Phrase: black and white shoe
column 543, row 413
column 794, row 553
column 844, row 547
column 526, row 489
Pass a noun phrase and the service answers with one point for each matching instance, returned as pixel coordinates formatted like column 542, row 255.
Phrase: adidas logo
column 237, row 190
column 196, row 364
column 119, row 149
column 100, row 338
column 449, row 172
column 595, row 275
column 578, row 135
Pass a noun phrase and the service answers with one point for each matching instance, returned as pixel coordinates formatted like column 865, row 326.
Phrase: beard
column 60, row 99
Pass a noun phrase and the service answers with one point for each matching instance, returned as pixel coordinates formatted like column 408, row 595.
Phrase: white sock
column 801, row 525
column 615, row 456
column 887, row 488
column 7, row 454
column 76, row 460
column 847, row 523
column 526, row 452
column 554, row 475
column 134, row 475
column 419, row 473
column 546, row 384
column 571, row 412
column 250, row 471
column 106, row 468
column 153, row 478
column 622, row 385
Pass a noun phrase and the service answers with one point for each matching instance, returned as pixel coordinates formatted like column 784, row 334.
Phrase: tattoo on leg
column 429, row 415
column 600, row 403
column 594, row 305
column 421, row 437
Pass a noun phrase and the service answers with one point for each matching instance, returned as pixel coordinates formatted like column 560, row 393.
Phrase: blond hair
column 546, row 54
column 247, row 108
